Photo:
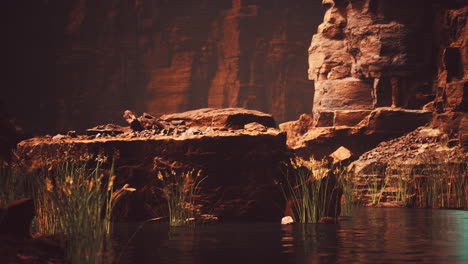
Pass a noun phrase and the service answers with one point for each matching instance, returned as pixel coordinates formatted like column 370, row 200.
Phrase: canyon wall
column 78, row 63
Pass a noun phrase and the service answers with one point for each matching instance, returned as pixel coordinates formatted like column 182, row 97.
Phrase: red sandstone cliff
column 83, row 61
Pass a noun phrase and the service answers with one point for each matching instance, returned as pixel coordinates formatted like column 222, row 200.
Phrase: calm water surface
column 371, row 235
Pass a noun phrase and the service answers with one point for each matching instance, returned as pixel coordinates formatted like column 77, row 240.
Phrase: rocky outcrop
column 405, row 171
column 379, row 125
column 240, row 164
column 374, row 71
column 381, row 71
column 424, row 145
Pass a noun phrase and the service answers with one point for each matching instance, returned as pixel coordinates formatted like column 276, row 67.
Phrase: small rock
column 287, row 220
column 341, row 154
column 192, row 131
column 58, row 137
column 149, row 122
column 72, row 134
column 131, row 119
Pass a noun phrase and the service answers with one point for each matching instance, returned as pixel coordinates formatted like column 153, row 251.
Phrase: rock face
column 367, row 54
column 451, row 103
column 240, row 164
column 93, row 59
column 376, row 69
column 381, row 71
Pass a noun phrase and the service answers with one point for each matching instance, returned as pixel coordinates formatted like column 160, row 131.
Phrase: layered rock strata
column 381, row 71
column 368, row 54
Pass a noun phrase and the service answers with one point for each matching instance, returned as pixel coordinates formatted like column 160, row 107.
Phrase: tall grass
column 376, row 188
column 442, row 185
column 433, row 184
column 13, row 184
column 181, row 190
column 76, row 201
column 312, row 190
column 349, row 199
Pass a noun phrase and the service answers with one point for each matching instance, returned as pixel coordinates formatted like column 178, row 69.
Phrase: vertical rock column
column 368, row 54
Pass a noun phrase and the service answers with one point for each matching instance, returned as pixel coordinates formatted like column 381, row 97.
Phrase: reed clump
column 312, row 190
column 75, row 199
column 442, row 185
column 13, row 184
column 376, row 183
column 349, row 200
column 181, row 190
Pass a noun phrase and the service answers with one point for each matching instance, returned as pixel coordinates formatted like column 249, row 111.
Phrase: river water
column 370, row 235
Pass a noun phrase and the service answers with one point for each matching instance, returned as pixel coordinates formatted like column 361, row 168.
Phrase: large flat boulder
column 240, row 164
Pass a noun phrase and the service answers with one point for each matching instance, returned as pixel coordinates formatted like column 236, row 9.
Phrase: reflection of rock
column 240, row 164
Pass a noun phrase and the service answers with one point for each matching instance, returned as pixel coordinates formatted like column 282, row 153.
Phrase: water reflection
column 389, row 235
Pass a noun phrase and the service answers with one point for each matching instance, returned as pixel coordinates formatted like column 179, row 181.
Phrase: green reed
column 349, row 201
column 181, row 189
column 13, row 184
column 77, row 201
column 435, row 184
column 309, row 188
column 376, row 185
